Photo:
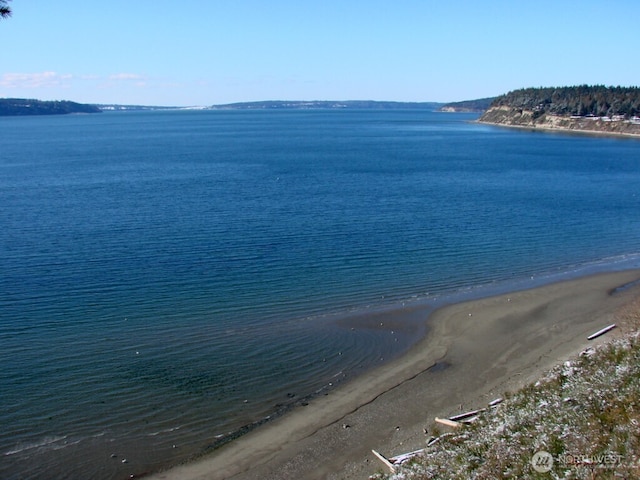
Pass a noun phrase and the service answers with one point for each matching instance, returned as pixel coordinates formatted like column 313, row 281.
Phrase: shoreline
column 563, row 130
column 473, row 352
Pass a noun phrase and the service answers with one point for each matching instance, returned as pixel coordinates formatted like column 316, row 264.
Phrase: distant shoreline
column 563, row 130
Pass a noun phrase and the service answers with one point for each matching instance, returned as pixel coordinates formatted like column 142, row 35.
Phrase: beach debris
column 384, row 460
column 462, row 416
column 434, row 440
column 124, row 460
column 447, row 422
column 400, row 459
column 470, row 420
column 601, row 331
column 393, row 462
column 346, row 425
column 455, row 421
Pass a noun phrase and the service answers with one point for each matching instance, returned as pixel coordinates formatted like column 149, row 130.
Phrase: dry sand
column 473, row 353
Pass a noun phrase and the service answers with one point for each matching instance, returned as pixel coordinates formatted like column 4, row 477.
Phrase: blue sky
column 195, row 52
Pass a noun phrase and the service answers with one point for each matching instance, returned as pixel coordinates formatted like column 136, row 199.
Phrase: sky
column 195, row 52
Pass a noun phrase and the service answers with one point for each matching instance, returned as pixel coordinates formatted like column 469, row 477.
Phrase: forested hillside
column 592, row 109
column 479, row 105
column 21, row 106
column 583, row 100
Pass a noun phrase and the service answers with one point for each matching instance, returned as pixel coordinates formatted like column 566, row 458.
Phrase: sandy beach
column 473, row 352
column 552, row 127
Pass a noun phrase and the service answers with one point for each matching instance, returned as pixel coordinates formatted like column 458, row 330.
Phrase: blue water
column 168, row 278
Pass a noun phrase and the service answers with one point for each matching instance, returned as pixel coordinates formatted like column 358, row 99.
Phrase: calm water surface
column 168, row 278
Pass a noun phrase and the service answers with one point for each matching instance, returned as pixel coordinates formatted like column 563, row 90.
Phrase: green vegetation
column 583, row 100
column 479, row 105
column 585, row 413
column 21, row 106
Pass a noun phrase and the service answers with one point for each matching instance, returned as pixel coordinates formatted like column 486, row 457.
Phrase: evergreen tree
column 5, row 10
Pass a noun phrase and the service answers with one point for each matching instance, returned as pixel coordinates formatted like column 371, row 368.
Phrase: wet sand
column 473, row 352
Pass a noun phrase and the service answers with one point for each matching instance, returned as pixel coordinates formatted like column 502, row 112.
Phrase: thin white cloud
column 126, row 76
column 116, row 87
column 34, row 80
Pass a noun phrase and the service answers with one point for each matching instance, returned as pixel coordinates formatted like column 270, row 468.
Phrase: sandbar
column 473, row 352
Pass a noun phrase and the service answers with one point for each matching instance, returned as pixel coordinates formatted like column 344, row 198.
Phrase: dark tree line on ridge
column 583, row 100
column 21, row 106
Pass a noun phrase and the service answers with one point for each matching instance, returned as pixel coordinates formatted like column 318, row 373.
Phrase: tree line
column 21, row 106
column 582, row 100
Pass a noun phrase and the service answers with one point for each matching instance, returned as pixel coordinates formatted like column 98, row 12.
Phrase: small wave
column 46, row 442
column 166, row 430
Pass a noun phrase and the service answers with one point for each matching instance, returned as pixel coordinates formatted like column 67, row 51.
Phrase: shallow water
column 170, row 277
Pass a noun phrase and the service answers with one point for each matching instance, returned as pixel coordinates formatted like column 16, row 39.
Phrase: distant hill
column 479, row 105
column 327, row 104
column 113, row 107
column 581, row 108
column 22, row 106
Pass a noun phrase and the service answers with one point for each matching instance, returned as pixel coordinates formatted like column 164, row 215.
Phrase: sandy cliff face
column 517, row 117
